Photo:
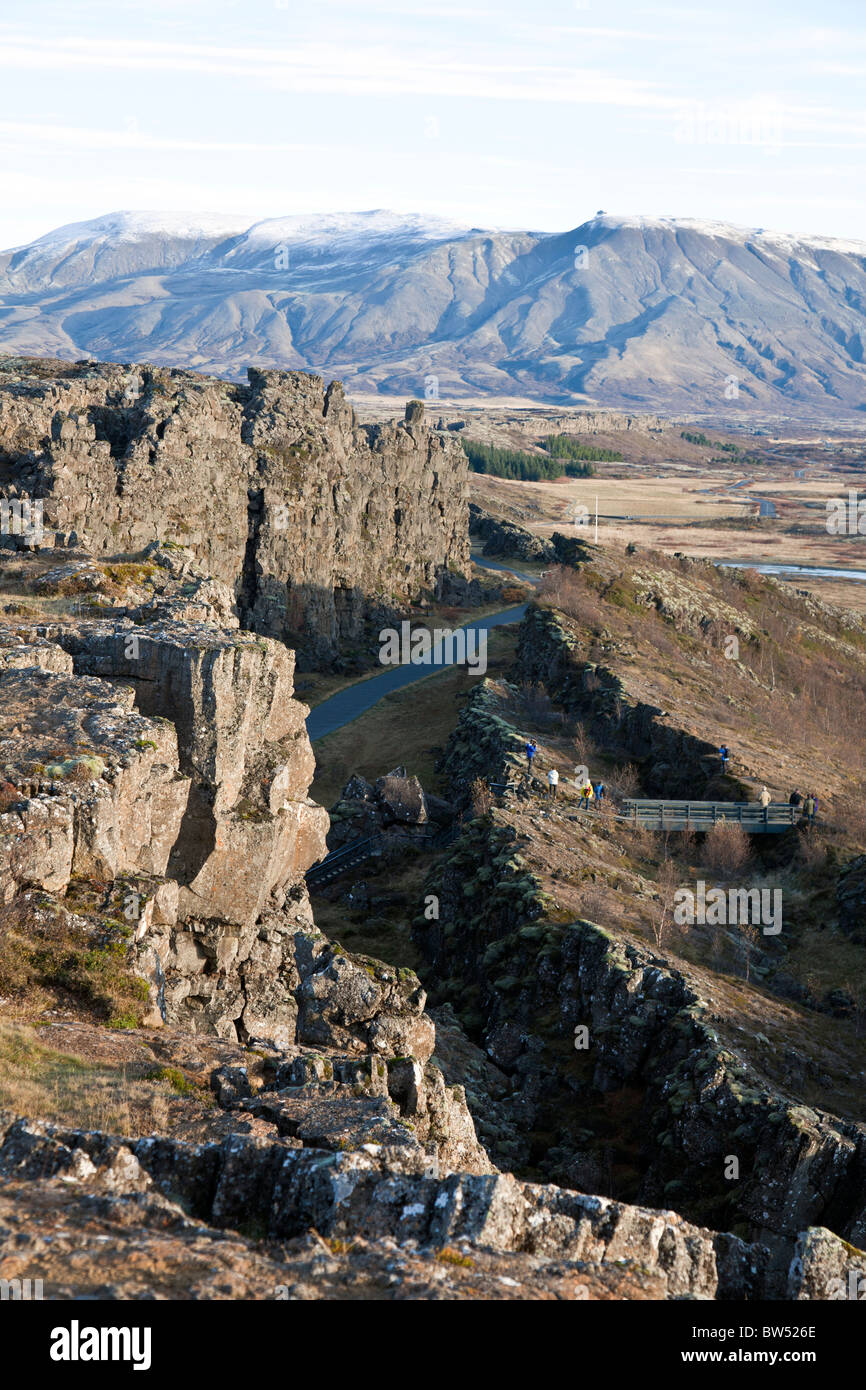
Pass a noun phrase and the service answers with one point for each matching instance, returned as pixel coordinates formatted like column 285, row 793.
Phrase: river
column 806, row 571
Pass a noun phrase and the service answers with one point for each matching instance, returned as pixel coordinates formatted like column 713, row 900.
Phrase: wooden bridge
column 703, row 815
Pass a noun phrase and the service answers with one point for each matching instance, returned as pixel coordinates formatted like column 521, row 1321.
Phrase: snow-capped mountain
column 656, row 313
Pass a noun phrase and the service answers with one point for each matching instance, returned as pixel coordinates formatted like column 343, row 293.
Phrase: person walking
column 531, row 751
column 598, row 788
column 724, row 755
column 764, row 798
column 586, row 796
column 809, row 809
column 552, row 783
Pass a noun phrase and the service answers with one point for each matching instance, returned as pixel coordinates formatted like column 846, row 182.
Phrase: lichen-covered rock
column 357, row 1003
column 389, row 1192
column 101, row 790
column 825, row 1267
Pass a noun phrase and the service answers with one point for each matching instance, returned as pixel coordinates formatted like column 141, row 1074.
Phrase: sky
column 508, row 115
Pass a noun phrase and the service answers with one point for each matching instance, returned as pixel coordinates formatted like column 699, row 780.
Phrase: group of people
column 595, row 791
column 589, row 791
column 809, row 803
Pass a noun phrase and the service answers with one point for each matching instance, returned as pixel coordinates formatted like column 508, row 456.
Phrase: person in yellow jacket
column 586, row 794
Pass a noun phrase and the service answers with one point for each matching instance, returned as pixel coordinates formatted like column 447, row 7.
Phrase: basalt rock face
column 687, row 1100
column 320, row 527
column 386, row 1193
column 174, row 756
column 540, row 1239
column 586, row 1022
column 167, row 765
column 851, row 899
column 508, row 540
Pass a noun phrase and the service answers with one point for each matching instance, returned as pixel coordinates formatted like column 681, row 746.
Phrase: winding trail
column 356, row 699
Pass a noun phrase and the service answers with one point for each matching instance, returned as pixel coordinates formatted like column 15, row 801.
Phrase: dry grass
column 129, row 1096
column 48, row 956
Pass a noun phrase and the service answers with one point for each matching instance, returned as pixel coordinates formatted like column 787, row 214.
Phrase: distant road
column 356, row 699
column 486, row 563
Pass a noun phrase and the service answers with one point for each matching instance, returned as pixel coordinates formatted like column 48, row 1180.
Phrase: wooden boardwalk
column 703, row 815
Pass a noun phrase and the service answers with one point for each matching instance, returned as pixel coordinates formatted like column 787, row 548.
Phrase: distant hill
column 631, row 312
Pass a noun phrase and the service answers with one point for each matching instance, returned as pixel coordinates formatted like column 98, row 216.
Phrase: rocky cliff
column 313, row 521
column 661, row 1092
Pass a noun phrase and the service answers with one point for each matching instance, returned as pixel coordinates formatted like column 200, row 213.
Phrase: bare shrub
column 625, row 780
column 726, row 849
column 599, row 904
column 538, row 705
column 662, row 913
column 9, row 794
column 647, row 843
column 750, row 939
column 584, row 746
column 563, row 588
column 812, row 852
column 686, row 843
column 480, row 797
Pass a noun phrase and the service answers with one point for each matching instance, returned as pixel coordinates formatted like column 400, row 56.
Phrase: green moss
column 126, row 1020
column 92, row 764
column 174, row 1077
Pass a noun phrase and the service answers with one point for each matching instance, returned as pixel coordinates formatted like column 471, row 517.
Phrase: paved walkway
column 348, row 704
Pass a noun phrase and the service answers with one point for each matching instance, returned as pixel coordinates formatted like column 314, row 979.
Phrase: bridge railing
column 703, row 815
column 356, row 851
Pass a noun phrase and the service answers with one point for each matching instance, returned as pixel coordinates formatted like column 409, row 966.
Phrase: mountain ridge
column 624, row 310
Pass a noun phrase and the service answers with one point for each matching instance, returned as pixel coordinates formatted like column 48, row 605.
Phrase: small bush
column 481, row 797
column 172, row 1075
column 449, row 1256
column 726, row 849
